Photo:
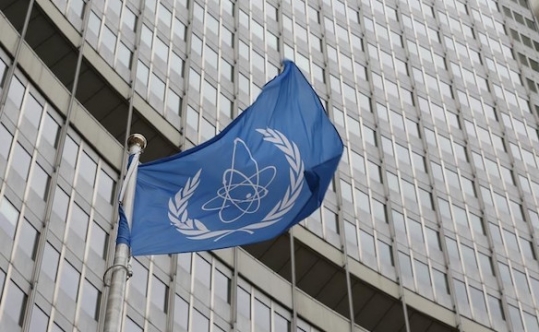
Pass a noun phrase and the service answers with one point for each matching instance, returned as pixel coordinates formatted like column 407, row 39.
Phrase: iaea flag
column 265, row 172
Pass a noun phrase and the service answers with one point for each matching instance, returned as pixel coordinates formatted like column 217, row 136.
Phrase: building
column 432, row 221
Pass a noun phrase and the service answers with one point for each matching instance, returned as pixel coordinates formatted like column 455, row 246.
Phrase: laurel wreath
column 196, row 230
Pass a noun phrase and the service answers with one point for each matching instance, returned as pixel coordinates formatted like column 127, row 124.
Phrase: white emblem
column 244, row 192
column 239, row 190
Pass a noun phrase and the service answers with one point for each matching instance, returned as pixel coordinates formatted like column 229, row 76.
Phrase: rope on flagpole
column 120, row 268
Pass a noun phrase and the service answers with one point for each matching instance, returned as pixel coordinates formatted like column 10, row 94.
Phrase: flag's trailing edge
column 265, row 172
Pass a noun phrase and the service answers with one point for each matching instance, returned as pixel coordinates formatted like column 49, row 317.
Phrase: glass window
column 244, row 303
column 129, row 19
column 385, row 253
column 132, row 326
column 262, row 316
column 199, row 322
column 50, row 261
column 70, row 151
column 440, row 282
column 281, row 323
column 124, row 55
column 52, row 133
column 108, row 39
column 331, row 221
column 91, row 298
column 6, row 138
column 79, row 221
column 139, row 280
column 158, row 87
column 367, row 243
column 181, row 311
column 514, row 313
column 9, row 216
column 33, row 110
column 21, row 161
column 203, row 271
column 99, row 240
column 40, row 182
column 87, row 168
column 69, row 280
column 159, row 294
column 39, row 320
column 16, row 92
column 61, row 201
column 433, row 239
column 222, row 286
column 106, row 186
column 423, row 275
column 16, row 299
column 28, row 239
column 462, row 297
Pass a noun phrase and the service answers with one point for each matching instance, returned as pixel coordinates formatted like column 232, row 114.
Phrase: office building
column 431, row 222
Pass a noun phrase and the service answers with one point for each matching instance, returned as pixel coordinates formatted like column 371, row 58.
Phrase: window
column 262, row 316
column 91, row 298
column 244, row 302
column 79, row 221
column 203, row 271
column 181, row 311
column 16, row 299
column 50, row 261
column 367, row 243
column 28, row 236
column 105, row 186
column 9, row 216
column 199, row 322
column 39, row 320
column 16, row 92
column 222, row 286
column 99, row 240
column 6, row 138
column 159, row 294
column 33, row 110
column 69, row 280
column 40, row 182
column 139, row 280
column 21, row 161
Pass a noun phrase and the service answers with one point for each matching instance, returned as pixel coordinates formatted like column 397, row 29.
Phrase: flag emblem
column 237, row 198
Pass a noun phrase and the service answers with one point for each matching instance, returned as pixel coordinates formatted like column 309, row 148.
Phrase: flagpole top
column 137, row 139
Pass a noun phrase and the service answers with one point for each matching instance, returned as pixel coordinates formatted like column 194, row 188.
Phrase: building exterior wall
column 432, row 219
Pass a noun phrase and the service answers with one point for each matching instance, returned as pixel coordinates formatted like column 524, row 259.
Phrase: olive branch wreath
column 195, row 229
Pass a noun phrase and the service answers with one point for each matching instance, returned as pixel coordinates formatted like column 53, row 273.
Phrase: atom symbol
column 241, row 194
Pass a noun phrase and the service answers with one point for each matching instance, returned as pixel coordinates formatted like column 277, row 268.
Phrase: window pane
column 200, row 322
column 39, row 320
column 90, row 300
column 69, row 280
column 17, row 302
column 28, row 239
column 159, row 294
column 8, row 217
column 181, row 311
column 222, row 286
column 262, row 316
column 50, row 261
column 21, row 161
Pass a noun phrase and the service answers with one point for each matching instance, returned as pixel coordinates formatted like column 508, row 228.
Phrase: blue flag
column 265, row 172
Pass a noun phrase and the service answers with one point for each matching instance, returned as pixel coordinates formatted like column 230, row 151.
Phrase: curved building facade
column 431, row 222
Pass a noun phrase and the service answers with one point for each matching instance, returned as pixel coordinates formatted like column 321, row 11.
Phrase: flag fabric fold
column 265, row 172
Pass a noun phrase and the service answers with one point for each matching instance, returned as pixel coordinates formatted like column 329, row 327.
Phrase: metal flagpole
column 120, row 270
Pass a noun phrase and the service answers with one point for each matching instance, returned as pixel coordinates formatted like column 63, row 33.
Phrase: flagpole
column 120, row 270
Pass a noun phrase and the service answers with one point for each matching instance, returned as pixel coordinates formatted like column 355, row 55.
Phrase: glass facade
column 431, row 222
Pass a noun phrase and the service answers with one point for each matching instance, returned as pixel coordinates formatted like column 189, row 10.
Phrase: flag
column 265, row 172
